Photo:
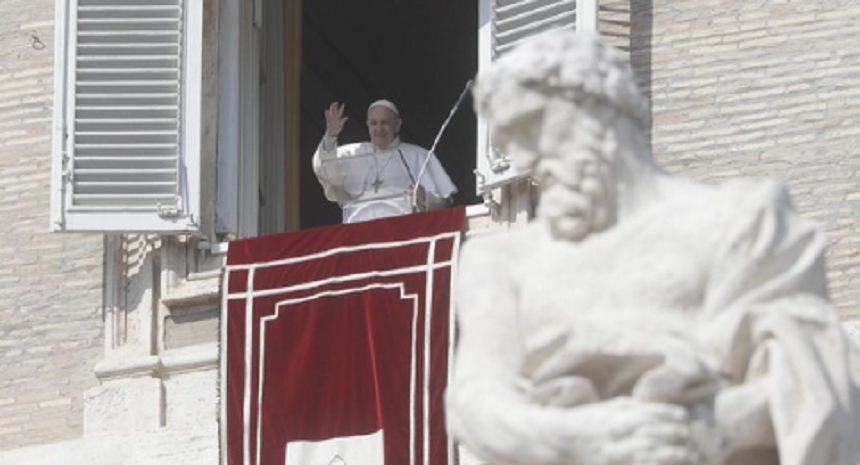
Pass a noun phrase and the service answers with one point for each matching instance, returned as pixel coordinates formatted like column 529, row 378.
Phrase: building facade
column 109, row 335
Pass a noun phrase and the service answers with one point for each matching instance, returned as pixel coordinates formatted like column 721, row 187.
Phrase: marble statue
column 640, row 318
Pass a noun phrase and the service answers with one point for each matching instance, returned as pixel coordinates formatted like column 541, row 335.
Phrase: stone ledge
column 192, row 358
column 203, row 356
column 127, row 367
column 193, row 293
column 104, row 451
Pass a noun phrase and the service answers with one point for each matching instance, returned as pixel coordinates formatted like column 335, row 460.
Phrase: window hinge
column 499, row 162
column 481, row 179
column 490, row 203
column 170, row 211
column 66, row 171
column 215, row 248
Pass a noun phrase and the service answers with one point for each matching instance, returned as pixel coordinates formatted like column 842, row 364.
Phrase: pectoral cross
column 377, row 183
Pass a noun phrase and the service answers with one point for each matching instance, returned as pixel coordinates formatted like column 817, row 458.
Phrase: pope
column 383, row 177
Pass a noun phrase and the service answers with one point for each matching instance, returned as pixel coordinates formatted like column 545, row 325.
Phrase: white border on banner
column 412, row 371
column 249, row 294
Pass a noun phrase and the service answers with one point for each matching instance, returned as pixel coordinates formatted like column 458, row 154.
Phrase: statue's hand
column 744, row 418
column 625, row 431
column 683, row 380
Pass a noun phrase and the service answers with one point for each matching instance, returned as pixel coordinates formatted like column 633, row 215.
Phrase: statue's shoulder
column 760, row 211
column 754, row 195
column 501, row 247
column 734, row 194
column 763, row 189
column 731, row 209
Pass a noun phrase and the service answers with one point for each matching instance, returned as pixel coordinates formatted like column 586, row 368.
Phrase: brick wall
column 50, row 284
column 762, row 88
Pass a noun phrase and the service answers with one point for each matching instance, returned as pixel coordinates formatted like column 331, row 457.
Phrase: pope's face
column 383, row 126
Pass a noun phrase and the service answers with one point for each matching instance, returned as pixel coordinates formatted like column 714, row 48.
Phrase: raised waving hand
column 334, row 119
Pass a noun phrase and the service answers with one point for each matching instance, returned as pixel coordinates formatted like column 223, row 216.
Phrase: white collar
column 393, row 145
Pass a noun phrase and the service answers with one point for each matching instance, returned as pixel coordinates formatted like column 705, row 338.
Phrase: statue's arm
column 777, row 338
column 490, row 412
column 485, row 409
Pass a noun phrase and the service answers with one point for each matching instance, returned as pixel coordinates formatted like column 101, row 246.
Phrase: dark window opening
column 417, row 53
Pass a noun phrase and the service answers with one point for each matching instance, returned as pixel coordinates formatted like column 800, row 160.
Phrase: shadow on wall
column 628, row 26
column 641, row 43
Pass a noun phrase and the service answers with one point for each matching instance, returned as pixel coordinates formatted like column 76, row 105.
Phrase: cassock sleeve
column 328, row 171
column 768, row 320
column 442, row 184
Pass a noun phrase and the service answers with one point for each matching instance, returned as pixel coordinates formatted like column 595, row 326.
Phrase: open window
column 419, row 54
column 134, row 151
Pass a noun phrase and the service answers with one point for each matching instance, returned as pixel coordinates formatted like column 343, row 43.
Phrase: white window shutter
column 503, row 25
column 127, row 116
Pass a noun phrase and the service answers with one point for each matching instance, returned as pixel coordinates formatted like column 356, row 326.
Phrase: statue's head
column 565, row 105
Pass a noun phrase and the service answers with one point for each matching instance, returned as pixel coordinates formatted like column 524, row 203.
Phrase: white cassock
column 370, row 183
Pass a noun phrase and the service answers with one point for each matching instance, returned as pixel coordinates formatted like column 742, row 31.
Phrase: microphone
column 432, row 152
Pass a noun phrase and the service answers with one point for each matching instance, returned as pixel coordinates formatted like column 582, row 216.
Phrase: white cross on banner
column 366, row 449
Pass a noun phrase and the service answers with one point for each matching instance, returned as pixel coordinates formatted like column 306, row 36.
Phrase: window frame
column 493, row 168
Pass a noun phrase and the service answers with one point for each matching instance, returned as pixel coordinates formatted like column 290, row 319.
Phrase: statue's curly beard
column 573, row 213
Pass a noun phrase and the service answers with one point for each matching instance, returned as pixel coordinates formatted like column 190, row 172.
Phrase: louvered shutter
column 504, row 24
column 127, row 132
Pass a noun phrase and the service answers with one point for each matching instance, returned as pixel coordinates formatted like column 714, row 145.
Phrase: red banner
column 336, row 341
